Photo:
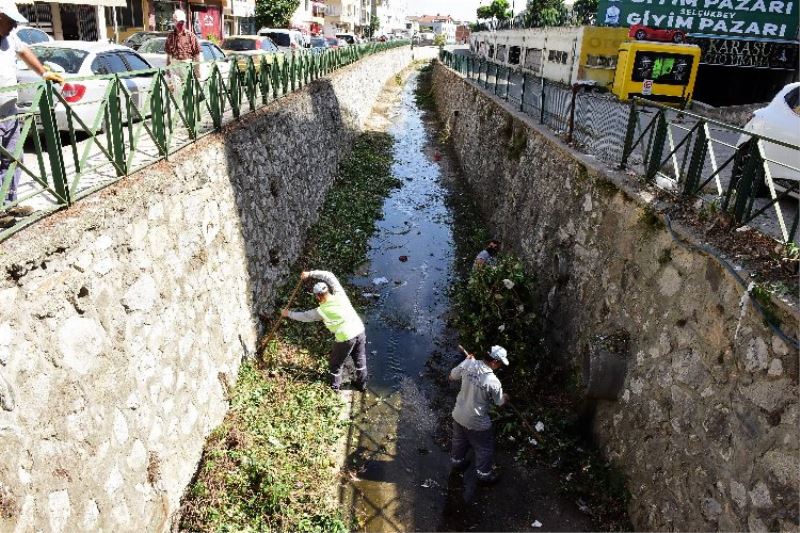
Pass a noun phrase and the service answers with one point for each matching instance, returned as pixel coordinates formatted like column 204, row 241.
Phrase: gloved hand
column 55, row 77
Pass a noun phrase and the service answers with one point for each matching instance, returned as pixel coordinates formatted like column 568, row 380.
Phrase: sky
column 458, row 9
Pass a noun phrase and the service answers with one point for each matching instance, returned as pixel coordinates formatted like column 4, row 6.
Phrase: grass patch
column 424, row 93
column 269, row 466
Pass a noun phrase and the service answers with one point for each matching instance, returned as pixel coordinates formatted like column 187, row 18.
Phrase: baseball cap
column 179, row 15
column 9, row 9
column 320, row 288
column 499, row 353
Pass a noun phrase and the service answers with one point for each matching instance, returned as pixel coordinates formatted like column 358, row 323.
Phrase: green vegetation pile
column 270, row 465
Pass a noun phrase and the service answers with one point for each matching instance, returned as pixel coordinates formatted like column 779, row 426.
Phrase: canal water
column 396, row 472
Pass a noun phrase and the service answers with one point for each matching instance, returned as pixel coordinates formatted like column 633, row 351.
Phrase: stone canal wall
column 123, row 321
column 706, row 420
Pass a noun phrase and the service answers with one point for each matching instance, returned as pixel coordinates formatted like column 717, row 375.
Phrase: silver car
column 78, row 59
column 155, row 54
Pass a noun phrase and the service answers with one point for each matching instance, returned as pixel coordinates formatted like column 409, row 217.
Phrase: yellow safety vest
column 340, row 318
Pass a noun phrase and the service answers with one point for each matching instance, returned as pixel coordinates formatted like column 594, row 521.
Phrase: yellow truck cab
column 663, row 72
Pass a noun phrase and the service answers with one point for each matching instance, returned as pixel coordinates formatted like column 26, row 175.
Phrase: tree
column 498, row 9
column 275, row 13
column 585, row 11
column 541, row 13
column 374, row 25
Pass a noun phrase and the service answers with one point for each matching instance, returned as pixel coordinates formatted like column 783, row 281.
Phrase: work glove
column 55, row 77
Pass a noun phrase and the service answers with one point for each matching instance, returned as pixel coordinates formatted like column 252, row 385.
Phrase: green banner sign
column 751, row 19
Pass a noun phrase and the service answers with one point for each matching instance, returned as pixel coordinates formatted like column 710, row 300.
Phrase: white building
column 392, row 15
column 447, row 27
column 343, row 16
column 309, row 17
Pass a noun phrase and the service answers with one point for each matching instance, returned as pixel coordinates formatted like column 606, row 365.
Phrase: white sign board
column 647, row 87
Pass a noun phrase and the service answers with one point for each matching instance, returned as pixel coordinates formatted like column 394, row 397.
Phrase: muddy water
column 397, row 474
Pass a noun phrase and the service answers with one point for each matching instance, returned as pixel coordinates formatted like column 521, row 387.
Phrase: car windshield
column 67, row 58
column 153, row 46
column 318, row 42
column 281, row 39
column 239, row 45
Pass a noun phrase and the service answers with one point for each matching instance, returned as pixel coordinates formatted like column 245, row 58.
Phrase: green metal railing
column 69, row 150
column 693, row 155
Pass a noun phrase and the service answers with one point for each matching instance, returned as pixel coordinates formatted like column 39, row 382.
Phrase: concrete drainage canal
column 400, row 228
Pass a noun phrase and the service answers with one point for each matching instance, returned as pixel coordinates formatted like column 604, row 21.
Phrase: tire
column 677, row 38
column 641, row 34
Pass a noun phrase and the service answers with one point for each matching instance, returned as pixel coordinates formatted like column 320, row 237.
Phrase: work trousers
column 355, row 348
column 9, row 137
column 482, row 442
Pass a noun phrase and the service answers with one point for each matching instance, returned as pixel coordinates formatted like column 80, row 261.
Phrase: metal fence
column 753, row 178
column 64, row 154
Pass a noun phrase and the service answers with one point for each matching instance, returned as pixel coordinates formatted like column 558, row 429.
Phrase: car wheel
column 641, row 34
column 677, row 38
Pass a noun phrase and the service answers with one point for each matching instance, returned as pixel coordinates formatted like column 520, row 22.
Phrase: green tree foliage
column 585, row 11
column 541, row 13
column 275, row 13
column 439, row 40
column 375, row 24
column 498, row 9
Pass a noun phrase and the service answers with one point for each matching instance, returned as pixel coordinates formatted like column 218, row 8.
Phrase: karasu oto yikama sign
column 770, row 19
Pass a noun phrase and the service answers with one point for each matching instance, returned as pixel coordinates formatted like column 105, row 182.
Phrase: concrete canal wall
column 706, row 422
column 124, row 320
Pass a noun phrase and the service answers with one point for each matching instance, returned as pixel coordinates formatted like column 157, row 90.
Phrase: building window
column 557, row 56
column 501, row 53
column 533, row 59
column 39, row 15
column 129, row 16
column 490, row 55
column 513, row 55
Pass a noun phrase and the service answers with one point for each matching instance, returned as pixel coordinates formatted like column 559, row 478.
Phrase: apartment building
column 309, row 17
column 391, row 15
column 344, row 16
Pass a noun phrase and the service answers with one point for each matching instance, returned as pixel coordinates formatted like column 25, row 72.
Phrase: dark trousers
column 9, row 137
column 355, row 348
column 482, row 442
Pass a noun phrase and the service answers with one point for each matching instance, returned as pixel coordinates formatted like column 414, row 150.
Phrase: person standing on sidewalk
column 183, row 52
column 338, row 315
column 11, row 49
column 472, row 426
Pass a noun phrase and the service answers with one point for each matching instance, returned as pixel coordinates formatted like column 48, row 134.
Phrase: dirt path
column 397, row 465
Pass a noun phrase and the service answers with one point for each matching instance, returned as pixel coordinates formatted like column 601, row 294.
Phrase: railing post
column 508, row 83
column 627, row 146
column 263, row 79
column 696, row 160
column 542, row 102
column 657, row 146
column 115, row 128
column 745, row 184
column 233, row 87
column 157, row 108
column 496, row 75
column 53, row 145
column 522, row 93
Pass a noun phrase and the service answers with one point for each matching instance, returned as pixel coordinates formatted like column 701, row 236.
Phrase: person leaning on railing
column 11, row 48
column 183, row 49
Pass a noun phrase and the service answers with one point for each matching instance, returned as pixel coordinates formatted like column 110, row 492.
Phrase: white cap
column 500, row 354
column 9, row 9
column 320, row 288
column 178, row 16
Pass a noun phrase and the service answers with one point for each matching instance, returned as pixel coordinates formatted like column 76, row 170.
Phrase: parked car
column 155, row 54
column 242, row 46
column 780, row 120
column 136, row 39
column 641, row 32
column 31, row 36
column 350, row 38
column 319, row 45
column 77, row 59
column 335, row 42
column 285, row 40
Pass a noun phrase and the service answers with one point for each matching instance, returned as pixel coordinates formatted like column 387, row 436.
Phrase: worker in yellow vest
column 338, row 315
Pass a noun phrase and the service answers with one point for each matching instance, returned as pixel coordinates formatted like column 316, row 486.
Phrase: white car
column 350, row 38
column 153, row 51
column 78, row 59
column 285, row 40
column 780, row 120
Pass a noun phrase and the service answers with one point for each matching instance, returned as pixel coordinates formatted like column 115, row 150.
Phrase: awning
column 103, row 3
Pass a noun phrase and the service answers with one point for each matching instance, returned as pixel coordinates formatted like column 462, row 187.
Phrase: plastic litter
column 533, row 441
column 380, row 281
column 539, row 426
column 369, row 295
column 508, row 283
column 501, row 328
column 536, row 524
column 403, row 258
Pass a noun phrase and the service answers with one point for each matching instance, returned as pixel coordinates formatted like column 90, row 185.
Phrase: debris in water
column 370, row 295
column 501, row 328
column 533, row 441
column 403, row 258
column 374, row 352
column 508, row 283
column 380, row 281
column 584, row 508
column 429, row 483
column 536, row 524
column 539, row 426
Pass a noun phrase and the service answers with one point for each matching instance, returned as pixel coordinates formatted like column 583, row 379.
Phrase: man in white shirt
column 472, row 426
column 12, row 48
